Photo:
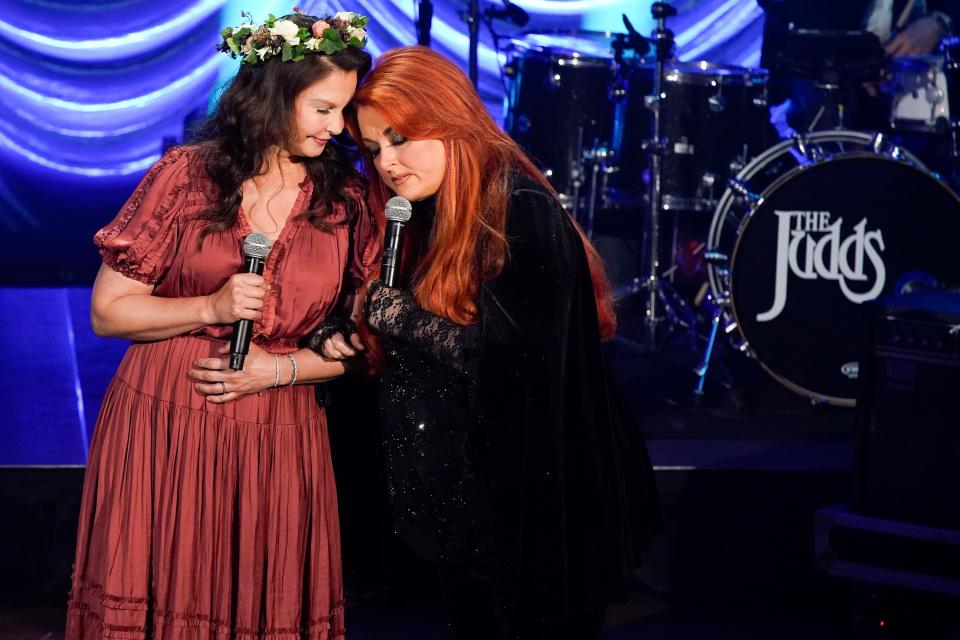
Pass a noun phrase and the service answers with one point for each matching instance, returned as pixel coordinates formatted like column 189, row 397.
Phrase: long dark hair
column 256, row 112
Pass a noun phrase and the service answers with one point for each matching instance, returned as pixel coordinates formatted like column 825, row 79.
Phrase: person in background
column 903, row 27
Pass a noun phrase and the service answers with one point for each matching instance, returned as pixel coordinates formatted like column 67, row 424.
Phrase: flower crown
column 286, row 38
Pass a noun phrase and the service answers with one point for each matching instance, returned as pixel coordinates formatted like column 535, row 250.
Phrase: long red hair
column 422, row 96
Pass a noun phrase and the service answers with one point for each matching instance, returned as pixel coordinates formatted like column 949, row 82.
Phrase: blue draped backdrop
column 90, row 89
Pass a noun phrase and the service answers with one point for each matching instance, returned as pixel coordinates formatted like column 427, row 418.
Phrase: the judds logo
column 810, row 247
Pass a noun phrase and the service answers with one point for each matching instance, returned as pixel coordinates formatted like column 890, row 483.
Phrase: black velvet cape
column 571, row 481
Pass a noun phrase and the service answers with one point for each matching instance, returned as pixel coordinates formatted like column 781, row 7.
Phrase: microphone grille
column 398, row 209
column 257, row 245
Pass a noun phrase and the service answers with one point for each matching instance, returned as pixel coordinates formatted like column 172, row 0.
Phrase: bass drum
column 809, row 231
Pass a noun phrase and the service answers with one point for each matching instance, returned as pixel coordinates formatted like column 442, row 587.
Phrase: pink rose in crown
column 318, row 28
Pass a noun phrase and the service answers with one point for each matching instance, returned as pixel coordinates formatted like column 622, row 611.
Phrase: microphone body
column 256, row 247
column 398, row 212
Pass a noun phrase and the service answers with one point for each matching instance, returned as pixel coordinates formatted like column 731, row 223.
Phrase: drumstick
column 902, row 20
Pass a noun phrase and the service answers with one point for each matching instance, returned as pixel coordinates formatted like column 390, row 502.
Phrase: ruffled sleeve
column 142, row 240
column 365, row 242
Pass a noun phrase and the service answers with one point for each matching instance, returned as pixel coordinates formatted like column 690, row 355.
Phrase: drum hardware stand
column 707, row 183
column 701, row 369
column 650, row 277
column 951, row 66
column 832, row 100
column 720, row 306
column 597, row 159
column 718, row 309
column 585, row 161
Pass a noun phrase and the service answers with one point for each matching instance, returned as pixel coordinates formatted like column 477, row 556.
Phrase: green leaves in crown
column 285, row 38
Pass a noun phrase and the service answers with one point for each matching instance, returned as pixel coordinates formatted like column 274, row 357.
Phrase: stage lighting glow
column 187, row 81
column 128, row 44
column 121, row 169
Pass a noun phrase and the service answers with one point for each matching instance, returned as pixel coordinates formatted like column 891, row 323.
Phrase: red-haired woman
column 508, row 456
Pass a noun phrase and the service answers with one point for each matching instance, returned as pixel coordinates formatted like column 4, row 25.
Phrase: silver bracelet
column 276, row 370
column 293, row 366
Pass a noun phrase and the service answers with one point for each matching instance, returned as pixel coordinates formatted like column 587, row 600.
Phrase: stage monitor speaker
column 908, row 458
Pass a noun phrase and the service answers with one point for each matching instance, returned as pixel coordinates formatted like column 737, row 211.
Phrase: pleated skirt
column 202, row 520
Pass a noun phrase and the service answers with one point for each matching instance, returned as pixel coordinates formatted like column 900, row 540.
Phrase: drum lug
column 716, row 257
column 879, row 143
column 730, row 330
column 811, row 152
column 707, row 183
column 742, row 189
column 717, row 103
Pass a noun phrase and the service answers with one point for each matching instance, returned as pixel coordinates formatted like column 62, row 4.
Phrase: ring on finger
column 223, row 387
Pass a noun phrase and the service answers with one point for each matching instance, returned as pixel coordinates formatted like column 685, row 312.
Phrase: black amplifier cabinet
column 908, row 457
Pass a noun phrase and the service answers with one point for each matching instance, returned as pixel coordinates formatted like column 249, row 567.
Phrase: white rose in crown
column 286, row 29
column 357, row 32
column 346, row 16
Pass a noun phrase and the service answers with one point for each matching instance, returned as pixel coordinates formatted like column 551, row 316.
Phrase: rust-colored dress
column 204, row 520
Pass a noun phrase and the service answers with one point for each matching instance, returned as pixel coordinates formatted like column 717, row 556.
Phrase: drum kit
column 796, row 235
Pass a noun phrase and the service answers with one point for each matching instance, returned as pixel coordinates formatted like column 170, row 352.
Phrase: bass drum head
column 824, row 239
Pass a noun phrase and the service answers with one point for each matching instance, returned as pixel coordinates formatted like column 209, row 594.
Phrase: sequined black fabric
column 436, row 485
column 434, row 475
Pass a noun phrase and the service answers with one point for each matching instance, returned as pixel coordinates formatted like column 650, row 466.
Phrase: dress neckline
column 243, row 223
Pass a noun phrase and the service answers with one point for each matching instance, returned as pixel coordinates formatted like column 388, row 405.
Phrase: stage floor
column 740, row 482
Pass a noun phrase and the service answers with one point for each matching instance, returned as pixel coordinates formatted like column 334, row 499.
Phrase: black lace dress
column 434, row 473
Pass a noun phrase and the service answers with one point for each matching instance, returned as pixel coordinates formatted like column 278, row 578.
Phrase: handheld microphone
column 398, row 212
column 256, row 246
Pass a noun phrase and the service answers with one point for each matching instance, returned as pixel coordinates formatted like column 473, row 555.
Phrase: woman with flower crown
column 209, row 508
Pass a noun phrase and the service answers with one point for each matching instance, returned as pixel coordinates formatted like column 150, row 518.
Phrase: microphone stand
column 472, row 18
column 424, row 20
column 650, row 276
